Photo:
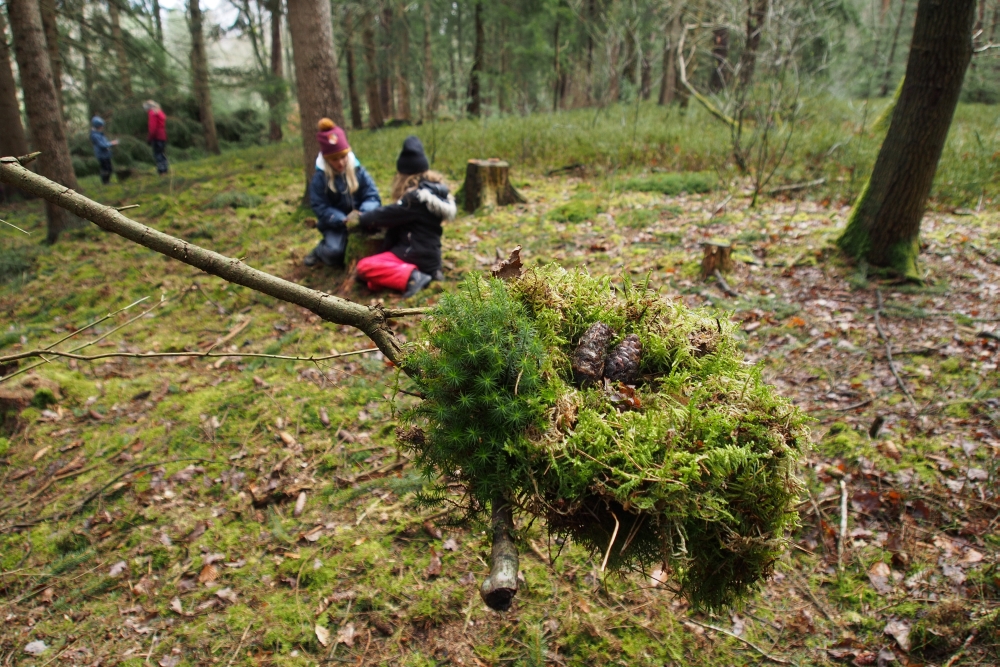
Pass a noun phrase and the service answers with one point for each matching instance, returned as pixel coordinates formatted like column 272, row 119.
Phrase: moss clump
column 673, row 183
column 691, row 468
column 234, row 199
column 576, row 210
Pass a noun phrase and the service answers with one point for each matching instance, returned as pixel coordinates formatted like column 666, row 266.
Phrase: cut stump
column 487, row 183
column 717, row 257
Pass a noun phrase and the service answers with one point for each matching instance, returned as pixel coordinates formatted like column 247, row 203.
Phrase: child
column 102, row 148
column 412, row 256
column 339, row 187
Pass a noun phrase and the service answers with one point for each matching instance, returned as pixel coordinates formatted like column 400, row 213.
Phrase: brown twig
column 762, row 652
column 842, row 542
column 888, row 350
column 724, row 286
column 186, row 353
column 958, row 654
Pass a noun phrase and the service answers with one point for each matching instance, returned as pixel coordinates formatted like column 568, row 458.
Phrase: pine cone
column 588, row 360
column 623, row 361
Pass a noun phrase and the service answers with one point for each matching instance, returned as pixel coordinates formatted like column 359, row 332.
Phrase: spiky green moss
column 697, row 473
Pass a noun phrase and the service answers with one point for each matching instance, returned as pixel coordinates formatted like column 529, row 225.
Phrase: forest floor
column 148, row 509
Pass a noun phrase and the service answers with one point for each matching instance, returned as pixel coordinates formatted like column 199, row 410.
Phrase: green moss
column 842, row 440
column 951, row 365
column 576, row 210
column 702, row 470
column 674, row 183
column 436, row 604
column 4, row 446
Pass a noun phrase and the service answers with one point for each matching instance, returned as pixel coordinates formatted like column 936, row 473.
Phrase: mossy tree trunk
column 885, row 224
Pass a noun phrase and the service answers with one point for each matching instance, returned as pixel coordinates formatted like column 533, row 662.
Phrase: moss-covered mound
column 689, row 466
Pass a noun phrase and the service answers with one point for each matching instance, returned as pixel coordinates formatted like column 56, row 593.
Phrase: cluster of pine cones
column 592, row 362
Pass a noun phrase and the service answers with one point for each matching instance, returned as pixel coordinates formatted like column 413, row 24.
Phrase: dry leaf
column 323, row 635
column 41, row 452
column 509, row 268
column 287, row 438
column 175, row 606
column 346, row 635
column 46, row 596
column 300, row 504
column 117, row 569
column 324, row 418
column 208, row 574
column 169, row 661
column 196, row 532
column 900, row 631
column 312, row 535
column 434, row 568
column 433, row 530
column 880, row 575
column 450, row 544
column 36, row 647
column 226, row 594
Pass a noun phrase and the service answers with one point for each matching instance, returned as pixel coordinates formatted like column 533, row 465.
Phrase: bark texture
column 12, row 139
column 41, row 103
column 668, row 82
column 157, row 23
column 276, row 92
column 885, row 224
column 499, row 589
column 405, row 111
column 430, row 93
column 51, row 27
column 372, row 320
column 118, row 40
column 352, row 84
column 199, row 76
column 487, row 183
column 375, row 116
column 316, row 79
column 475, row 89
column 756, row 15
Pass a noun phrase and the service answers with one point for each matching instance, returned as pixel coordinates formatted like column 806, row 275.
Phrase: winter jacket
column 413, row 225
column 331, row 208
column 157, row 126
column 102, row 147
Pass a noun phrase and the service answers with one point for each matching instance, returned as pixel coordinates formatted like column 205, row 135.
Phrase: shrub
column 243, row 126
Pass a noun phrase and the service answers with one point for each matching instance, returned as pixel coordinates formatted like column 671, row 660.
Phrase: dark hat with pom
column 412, row 159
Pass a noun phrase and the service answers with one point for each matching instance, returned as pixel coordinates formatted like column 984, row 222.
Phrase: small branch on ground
column 499, row 589
column 888, row 350
column 795, row 187
column 764, row 654
column 184, row 353
column 842, row 542
column 724, row 286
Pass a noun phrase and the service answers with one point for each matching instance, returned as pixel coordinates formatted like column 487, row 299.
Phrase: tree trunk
column 668, row 82
column 646, row 75
column 276, row 88
column 387, row 76
column 487, row 183
column 892, row 50
column 352, row 84
column 555, row 68
column 475, row 93
column 375, row 117
column 118, row 40
column 430, row 94
column 756, row 15
column 12, row 139
column 630, row 70
column 591, row 21
column 317, row 84
column 884, row 226
column 403, row 70
column 199, row 77
column 41, row 103
column 720, row 59
column 158, row 23
column 51, row 27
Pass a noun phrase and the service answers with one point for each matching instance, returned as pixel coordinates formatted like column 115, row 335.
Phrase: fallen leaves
column 322, row 635
column 900, row 631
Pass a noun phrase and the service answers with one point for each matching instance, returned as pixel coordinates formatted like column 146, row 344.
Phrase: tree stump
column 717, row 257
column 487, row 183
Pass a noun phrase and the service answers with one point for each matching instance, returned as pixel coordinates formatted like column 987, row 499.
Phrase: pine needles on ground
column 690, row 468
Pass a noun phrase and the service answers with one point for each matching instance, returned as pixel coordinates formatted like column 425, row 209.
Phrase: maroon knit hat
column 332, row 139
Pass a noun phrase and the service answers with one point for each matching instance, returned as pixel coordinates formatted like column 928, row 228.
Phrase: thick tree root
column 499, row 589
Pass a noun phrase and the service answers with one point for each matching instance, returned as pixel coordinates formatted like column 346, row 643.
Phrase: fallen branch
column 842, row 542
column 888, row 350
column 724, row 286
column 371, row 320
column 795, row 187
column 705, row 102
column 958, row 654
column 499, row 589
column 184, row 353
column 764, row 654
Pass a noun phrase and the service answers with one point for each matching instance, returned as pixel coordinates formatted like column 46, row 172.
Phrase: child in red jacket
column 157, row 135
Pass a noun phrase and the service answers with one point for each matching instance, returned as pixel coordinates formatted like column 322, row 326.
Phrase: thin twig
column 888, row 350
column 187, row 353
column 15, row 227
column 240, row 645
column 958, row 654
column 724, row 286
column 614, row 534
column 843, row 524
column 762, row 652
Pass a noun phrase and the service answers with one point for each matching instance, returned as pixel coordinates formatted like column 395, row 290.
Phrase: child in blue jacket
column 102, row 147
column 340, row 191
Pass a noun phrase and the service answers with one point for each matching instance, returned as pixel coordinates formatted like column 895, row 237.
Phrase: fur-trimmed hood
column 435, row 197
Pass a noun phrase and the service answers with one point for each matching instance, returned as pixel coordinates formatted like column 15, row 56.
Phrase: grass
column 368, row 566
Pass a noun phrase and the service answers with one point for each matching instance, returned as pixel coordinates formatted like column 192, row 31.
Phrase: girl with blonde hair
column 340, row 191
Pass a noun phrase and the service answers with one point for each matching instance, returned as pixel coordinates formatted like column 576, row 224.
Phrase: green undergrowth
column 673, row 183
column 694, row 467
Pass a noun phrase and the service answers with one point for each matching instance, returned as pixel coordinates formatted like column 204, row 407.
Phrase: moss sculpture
column 628, row 422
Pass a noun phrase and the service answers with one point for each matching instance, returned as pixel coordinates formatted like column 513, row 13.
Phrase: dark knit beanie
column 411, row 159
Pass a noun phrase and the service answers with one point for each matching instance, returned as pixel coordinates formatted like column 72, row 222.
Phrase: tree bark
column 668, row 82
column 317, row 84
column 756, row 15
column 499, row 589
column 884, row 226
column 487, row 183
column 403, row 70
column 892, row 50
column 51, row 27
column 475, row 93
column 157, row 24
column 276, row 87
column 720, row 58
column 555, row 68
column 12, row 140
column 372, row 320
column 430, row 94
column 352, row 84
column 646, row 75
column 630, row 70
column 375, row 117
column 83, row 46
column 387, row 82
column 118, row 41
column 199, row 77
column 45, row 121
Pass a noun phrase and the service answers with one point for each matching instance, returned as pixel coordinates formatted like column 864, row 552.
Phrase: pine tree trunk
column 352, row 84
column 317, row 84
column 118, row 41
column 668, row 82
column 756, row 15
column 276, row 92
column 892, row 51
column 884, row 226
column 387, row 76
column 375, row 117
column 158, row 23
column 630, row 69
column 51, row 27
column 555, row 68
column 199, row 77
column 12, row 139
column 646, row 75
column 430, row 94
column 403, row 70
column 475, row 92
column 720, row 58
column 45, row 121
